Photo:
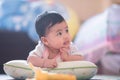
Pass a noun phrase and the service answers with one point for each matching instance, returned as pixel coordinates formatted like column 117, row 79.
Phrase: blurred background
column 94, row 27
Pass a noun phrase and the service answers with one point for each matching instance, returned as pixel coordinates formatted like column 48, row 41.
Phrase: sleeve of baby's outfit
column 38, row 50
column 74, row 50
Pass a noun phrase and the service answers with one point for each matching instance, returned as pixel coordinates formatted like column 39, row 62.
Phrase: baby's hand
column 64, row 54
column 49, row 63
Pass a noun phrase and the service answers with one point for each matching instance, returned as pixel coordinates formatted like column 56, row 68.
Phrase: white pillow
column 18, row 69
column 82, row 69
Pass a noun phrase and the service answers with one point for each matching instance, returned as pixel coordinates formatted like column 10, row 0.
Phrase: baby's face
column 58, row 36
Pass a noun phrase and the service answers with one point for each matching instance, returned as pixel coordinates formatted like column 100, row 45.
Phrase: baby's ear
column 44, row 40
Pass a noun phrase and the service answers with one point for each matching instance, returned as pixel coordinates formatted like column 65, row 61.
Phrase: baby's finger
column 53, row 66
column 64, row 50
column 50, row 66
column 61, row 50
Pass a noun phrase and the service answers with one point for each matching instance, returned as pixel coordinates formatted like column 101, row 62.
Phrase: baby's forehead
column 58, row 26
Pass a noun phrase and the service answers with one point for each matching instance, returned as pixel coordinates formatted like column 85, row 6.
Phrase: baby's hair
column 46, row 20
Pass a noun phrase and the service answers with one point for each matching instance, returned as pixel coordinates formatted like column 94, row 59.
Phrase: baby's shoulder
column 39, row 49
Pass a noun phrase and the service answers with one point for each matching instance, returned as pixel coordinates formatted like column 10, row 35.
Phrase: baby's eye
column 67, row 30
column 59, row 33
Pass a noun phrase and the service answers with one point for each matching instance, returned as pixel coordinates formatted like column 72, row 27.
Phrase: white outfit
column 41, row 51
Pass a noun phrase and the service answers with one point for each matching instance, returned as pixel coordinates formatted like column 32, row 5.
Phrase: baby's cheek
column 57, row 45
column 70, row 38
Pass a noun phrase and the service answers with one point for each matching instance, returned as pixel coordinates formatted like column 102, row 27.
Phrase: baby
column 55, row 42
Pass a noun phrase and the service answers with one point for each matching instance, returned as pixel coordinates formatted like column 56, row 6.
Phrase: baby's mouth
column 67, row 43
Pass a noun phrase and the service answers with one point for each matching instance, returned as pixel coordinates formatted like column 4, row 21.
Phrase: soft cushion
column 81, row 69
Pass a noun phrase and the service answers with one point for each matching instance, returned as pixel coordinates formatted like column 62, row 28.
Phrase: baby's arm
column 40, row 62
column 73, row 58
column 36, row 59
column 67, row 57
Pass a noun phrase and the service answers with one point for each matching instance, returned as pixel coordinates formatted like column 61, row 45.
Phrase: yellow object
column 42, row 75
column 73, row 23
column 60, row 77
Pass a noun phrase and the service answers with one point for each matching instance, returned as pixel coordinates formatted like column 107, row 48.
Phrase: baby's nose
column 67, row 36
